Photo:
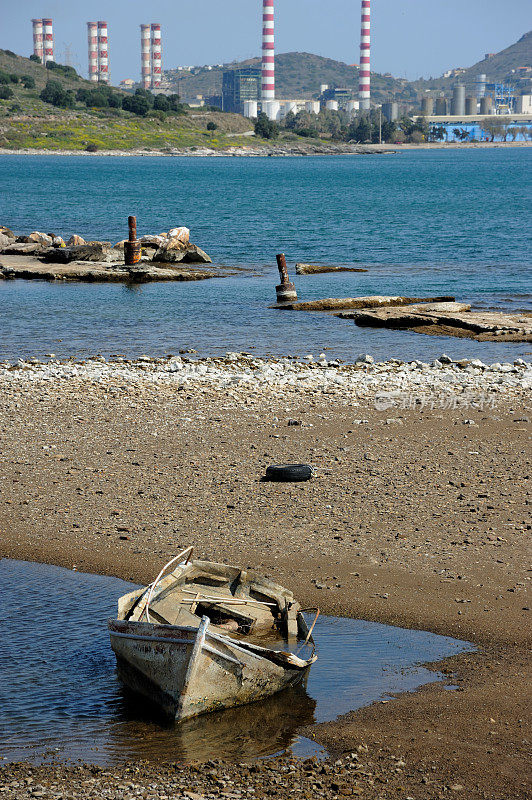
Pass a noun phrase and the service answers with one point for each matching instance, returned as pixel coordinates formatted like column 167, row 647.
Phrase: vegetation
column 266, row 128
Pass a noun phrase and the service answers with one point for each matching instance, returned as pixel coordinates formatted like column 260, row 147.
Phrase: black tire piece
column 289, row 472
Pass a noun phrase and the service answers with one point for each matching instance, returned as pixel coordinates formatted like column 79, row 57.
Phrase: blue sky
column 410, row 38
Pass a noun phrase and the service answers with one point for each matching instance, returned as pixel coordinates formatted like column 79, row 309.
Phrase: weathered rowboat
column 208, row 636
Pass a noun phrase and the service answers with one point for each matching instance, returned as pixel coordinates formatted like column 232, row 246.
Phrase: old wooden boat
column 206, row 636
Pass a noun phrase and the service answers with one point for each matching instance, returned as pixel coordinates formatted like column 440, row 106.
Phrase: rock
column 195, row 255
column 58, row 241
column 22, row 248
column 182, row 234
column 315, row 269
column 444, row 359
column 75, row 240
column 152, row 241
column 7, row 232
column 5, row 240
column 40, row 238
column 364, row 358
column 94, row 251
column 168, row 256
column 120, row 245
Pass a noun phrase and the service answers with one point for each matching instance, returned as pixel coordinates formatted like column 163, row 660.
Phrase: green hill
column 297, row 75
column 28, row 122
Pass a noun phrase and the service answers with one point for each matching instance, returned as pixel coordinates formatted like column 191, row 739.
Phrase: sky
column 412, row 38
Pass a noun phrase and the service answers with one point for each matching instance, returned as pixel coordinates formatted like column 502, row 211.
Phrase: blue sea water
column 423, row 223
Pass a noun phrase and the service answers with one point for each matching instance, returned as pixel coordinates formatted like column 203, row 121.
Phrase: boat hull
column 189, row 671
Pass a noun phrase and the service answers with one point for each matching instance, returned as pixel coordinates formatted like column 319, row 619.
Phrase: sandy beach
column 418, row 516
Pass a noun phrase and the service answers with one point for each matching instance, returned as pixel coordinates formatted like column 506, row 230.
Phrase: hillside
column 28, row 122
column 297, row 75
column 498, row 68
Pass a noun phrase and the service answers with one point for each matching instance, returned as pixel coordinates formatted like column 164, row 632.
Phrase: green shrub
column 35, row 58
column 4, row 77
column 136, row 104
column 212, row 126
column 55, row 94
column 13, row 78
column 28, row 82
column 6, row 93
column 92, row 148
column 266, row 128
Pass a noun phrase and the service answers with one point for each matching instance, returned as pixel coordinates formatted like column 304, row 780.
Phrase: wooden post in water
column 132, row 248
column 286, row 291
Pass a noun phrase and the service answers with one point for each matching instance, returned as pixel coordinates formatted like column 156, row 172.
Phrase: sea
column 422, row 222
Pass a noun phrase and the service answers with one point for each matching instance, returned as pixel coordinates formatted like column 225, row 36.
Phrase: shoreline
column 407, row 522
column 243, row 152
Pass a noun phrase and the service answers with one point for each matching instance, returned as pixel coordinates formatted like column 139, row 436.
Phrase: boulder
column 84, row 252
column 169, row 256
column 195, row 255
column 183, row 234
column 119, row 245
column 22, row 249
column 75, row 240
column 40, row 238
column 149, row 240
column 58, row 241
column 174, row 243
column 7, row 232
column 5, row 240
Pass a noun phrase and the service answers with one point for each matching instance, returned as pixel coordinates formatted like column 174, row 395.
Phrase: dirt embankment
column 418, row 517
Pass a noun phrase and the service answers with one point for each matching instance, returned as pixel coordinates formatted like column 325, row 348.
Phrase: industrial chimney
column 156, row 56
column 268, row 51
column 364, row 92
column 145, row 56
column 38, row 49
column 103, row 54
column 92, row 36
column 48, row 36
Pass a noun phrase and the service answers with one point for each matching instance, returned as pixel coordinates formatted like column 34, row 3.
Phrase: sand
column 418, row 517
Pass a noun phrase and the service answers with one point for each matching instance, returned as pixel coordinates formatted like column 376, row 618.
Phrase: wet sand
column 419, row 518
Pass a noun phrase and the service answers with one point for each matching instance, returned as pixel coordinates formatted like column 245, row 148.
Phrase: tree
column 6, row 93
column 136, row 104
column 360, row 129
column 54, row 94
column 513, row 132
column 160, row 103
column 388, row 130
column 4, row 78
column 14, row 78
column 35, row 58
column 494, row 127
column 266, row 128
column 28, row 82
column 290, row 121
column 211, row 126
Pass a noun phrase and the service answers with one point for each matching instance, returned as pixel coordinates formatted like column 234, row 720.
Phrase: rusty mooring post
column 286, row 291
column 132, row 248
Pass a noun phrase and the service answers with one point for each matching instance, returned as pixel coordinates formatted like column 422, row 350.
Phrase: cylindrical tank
column 287, row 107
column 331, row 105
column 313, row 106
column 470, row 106
column 272, row 109
column 427, row 106
column 323, row 87
column 352, row 106
column 486, row 104
column 458, row 101
column 250, row 108
column 391, row 111
column 441, row 107
column 481, row 85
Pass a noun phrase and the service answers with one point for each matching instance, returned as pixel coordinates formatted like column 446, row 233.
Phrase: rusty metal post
column 132, row 248
column 286, row 291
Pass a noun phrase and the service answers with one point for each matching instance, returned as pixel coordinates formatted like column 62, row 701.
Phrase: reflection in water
column 60, row 697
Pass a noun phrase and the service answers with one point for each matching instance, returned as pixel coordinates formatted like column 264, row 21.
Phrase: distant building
column 239, row 85
column 523, row 104
column 127, row 83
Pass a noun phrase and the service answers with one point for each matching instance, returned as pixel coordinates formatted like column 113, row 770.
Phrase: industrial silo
column 458, row 101
column 485, row 105
column 441, row 107
column 481, row 85
column 390, row 111
column 470, row 106
column 427, row 106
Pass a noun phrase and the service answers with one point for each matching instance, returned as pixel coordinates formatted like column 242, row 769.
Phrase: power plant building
column 240, row 85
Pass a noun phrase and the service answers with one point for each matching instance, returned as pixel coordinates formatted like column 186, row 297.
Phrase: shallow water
column 424, row 223
column 60, row 698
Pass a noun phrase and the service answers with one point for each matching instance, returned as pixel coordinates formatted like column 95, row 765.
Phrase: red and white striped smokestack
column 38, row 49
column 103, row 52
column 92, row 35
column 48, row 36
column 268, row 51
column 145, row 56
column 156, row 56
column 364, row 89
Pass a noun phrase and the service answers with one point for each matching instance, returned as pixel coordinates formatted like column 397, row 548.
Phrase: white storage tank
column 352, row 106
column 250, row 108
column 272, row 109
column 312, row 106
column 331, row 105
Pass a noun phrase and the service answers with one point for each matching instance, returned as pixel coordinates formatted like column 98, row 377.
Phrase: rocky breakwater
column 237, row 378
column 49, row 257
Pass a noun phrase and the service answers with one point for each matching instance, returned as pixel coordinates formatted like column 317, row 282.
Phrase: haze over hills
column 299, row 75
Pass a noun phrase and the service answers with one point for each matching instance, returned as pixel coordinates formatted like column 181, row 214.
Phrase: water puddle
column 60, row 698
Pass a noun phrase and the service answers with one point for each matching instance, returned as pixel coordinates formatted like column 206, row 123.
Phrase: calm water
column 60, row 698
column 424, row 223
